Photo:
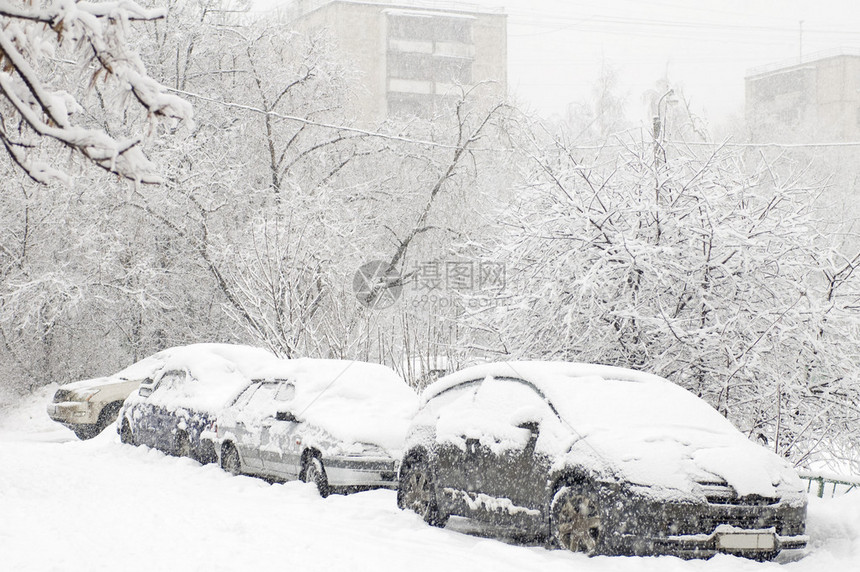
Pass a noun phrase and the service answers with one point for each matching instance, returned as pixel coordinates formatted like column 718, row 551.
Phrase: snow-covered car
column 336, row 423
column 597, row 459
column 176, row 409
column 88, row 406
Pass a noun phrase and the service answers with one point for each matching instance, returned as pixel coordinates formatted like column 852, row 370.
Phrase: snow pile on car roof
column 354, row 401
column 217, row 373
column 620, row 422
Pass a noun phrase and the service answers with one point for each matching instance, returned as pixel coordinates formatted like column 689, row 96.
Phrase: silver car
column 334, row 423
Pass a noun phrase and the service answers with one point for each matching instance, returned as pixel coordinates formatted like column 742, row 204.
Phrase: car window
column 463, row 391
column 497, row 415
column 262, row 402
column 511, row 401
column 286, row 392
column 444, row 409
column 171, row 379
column 246, row 394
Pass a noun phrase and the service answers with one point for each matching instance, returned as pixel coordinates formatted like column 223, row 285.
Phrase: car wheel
column 575, row 520
column 108, row 415
column 182, row 446
column 415, row 492
column 86, row 431
column 314, row 472
column 230, row 460
column 125, row 435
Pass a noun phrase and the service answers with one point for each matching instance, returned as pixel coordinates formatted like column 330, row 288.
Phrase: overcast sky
column 555, row 47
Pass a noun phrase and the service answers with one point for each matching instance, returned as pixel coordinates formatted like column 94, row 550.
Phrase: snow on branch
column 37, row 103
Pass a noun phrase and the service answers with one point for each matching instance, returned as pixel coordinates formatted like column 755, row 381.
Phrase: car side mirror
column 286, row 416
column 534, row 428
column 145, row 391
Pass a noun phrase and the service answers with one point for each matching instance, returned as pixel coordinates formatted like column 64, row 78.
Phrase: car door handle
column 472, row 446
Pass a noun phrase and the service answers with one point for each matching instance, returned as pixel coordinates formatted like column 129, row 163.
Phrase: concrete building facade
column 414, row 57
column 812, row 99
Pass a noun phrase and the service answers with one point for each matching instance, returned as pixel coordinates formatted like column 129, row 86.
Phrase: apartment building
column 414, row 57
column 811, row 99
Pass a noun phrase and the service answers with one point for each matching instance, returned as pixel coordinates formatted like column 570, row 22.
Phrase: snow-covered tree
column 48, row 53
column 682, row 263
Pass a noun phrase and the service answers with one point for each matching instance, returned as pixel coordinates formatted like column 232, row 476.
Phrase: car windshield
column 589, row 402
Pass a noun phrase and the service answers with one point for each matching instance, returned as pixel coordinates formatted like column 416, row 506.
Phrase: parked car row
column 594, row 459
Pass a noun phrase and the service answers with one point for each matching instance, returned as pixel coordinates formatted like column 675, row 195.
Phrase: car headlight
column 86, row 394
column 374, row 450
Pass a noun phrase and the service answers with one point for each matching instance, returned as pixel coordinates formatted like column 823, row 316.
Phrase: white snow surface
column 353, row 401
column 99, row 505
column 622, row 423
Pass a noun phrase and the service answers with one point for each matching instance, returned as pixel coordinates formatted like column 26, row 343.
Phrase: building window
column 422, row 26
column 420, row 66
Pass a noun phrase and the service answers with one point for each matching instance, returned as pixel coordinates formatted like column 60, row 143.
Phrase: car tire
column 313, row 471
column 230, row 459
column 108, row 415
column 125, row 434
column 416, row 492
column 86, row 431
column 206, row 454
column 575, row 520
column 182, row 445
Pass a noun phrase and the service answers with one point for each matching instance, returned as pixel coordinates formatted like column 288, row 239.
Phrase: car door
column 233, row 422
column 252, row 426
column 453, row 412
column 283, row 459
column 157, row 422
column 505, row 471
column 142, row 411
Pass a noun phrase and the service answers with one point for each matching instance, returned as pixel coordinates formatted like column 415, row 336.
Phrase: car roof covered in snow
column 588, row 395
column 538, row 373
column 354, row 401
column 218, row 371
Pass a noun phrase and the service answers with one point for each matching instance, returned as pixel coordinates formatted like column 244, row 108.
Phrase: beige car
column 88, row 406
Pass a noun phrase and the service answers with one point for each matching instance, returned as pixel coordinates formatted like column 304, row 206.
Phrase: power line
column 538, row 20
column 449, row 146
column 333, row 126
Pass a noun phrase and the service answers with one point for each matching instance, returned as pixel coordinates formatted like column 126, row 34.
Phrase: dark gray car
column 599, row 460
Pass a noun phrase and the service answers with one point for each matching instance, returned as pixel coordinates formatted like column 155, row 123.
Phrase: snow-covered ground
column 97, row 505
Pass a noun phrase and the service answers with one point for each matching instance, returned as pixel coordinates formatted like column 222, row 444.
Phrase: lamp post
column 657, row 124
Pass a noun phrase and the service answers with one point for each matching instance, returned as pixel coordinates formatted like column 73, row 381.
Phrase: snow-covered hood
column 652, row 432
column 93, row 383
column 683, row 463
column 136, row 372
